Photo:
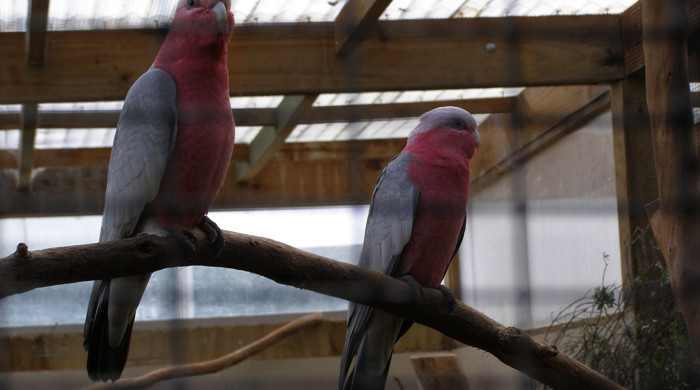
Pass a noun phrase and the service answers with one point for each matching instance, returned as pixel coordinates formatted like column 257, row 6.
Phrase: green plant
column 633, row 334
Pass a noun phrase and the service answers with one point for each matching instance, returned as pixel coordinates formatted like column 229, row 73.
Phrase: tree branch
column 214, row 365
column 24, row 271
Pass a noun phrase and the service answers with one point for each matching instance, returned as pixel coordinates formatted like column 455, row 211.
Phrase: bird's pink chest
column 438, row 220
column 199, row 161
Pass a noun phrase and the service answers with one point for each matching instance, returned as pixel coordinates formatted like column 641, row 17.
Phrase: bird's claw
column 416, row 288
column 214, row 235
column 452, row 303
column 186, row 239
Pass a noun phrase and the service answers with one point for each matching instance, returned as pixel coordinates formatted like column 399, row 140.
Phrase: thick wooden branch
column 214, row 365
column 677, row 225
column 24, row 271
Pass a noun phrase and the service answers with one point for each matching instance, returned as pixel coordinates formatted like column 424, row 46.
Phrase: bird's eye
column 190, row 3
column 458, row 124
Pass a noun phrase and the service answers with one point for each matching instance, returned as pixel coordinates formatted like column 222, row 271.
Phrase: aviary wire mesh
column 542, row 232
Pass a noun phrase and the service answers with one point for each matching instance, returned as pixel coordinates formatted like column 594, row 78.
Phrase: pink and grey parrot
column 416, row 222
column 170, row 156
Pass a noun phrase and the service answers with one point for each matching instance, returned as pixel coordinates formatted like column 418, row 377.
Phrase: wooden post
column 26, row 146
column 635, row 177
column 439, row 371
column 676, row 221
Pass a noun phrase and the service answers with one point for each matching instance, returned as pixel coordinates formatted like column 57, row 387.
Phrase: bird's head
column 448, row 119
column 211, row 21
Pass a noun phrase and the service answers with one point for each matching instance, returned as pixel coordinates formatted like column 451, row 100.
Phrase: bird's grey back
column 143, row 142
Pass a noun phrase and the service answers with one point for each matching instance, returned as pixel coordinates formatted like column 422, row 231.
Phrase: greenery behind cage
column 640, row 343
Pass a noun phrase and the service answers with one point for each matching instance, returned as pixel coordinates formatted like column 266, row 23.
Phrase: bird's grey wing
column 388, row 230
column 144, row 140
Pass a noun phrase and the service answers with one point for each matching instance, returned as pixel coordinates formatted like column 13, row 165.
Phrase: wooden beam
column 37, row 21
column 10, row 120
column 299, row 58
column 368, row 112
column 695, row 99
column 354, row 22
column 301, row 174
column 26, row 146
column 635, row 176
column 84, row 157
column 269, row 139
column 547, row 112
column 677, row 227
column 694, row 57
column 631, row 24
column 569, row 123
column 268, row 116
column 313, row 173
column 8, row 159
column 453, row 277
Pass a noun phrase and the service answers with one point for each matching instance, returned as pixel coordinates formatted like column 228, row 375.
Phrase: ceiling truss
column 355, row 53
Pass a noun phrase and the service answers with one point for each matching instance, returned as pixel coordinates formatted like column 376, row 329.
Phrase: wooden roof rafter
column 270, row 139
column 355, row 21
column 268, row 116
column 399, row 55
column 26, row 146
column 342, row 172
column 37, row 21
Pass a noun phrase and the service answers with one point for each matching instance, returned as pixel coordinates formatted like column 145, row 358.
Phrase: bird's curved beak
column 221, row 16
column 478, row 139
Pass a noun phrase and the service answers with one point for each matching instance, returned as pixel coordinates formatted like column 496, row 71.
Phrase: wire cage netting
column 324, row 94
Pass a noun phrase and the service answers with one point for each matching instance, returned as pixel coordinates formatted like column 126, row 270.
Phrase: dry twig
column 214, row 365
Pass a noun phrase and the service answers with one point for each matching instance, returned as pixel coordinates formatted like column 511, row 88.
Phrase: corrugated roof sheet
column 97, row 14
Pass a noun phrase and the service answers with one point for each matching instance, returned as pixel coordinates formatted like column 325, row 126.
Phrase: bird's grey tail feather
column 364, row 382
column 104, row 362
column 360, row 377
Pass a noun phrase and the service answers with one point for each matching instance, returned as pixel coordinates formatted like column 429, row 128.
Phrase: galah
column 416, row 222
column 170, row 156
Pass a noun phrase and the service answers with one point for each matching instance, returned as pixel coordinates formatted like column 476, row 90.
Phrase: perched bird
column 171, row 153
column 415, row 225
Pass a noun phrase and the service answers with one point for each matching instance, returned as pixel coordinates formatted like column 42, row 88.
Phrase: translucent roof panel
column 97, row 137
column 10, row 108
column 271, row 11
column 113, row 14
column 81, row 106
column 245, row 134
column 398, row 128
column 442, row 9
column 86, row 15
column 256, row 101
column 13, row 15
column 74, row 138
column 9, row 139
column 412, row 96
column 98, row 14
